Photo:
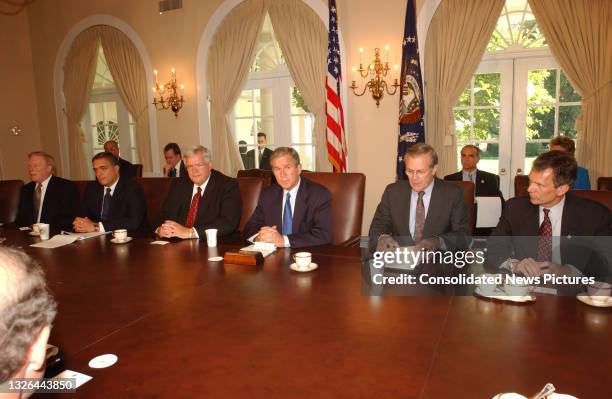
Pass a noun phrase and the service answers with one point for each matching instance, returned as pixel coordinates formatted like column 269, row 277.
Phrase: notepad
column 58, row 240
column 489, row 211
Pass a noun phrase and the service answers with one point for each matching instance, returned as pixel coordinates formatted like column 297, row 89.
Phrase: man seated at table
column 295, row 212
column 424, row 211
column 527, row 239
column 111, row 201
column 26, row 313
column 567, row 145
column 174, row 167
column 47, row 198
column 126, row 168
column 207, row 200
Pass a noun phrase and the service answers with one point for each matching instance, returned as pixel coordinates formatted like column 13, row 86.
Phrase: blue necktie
column 106, row 204
column 287, row 217
column 172, row 173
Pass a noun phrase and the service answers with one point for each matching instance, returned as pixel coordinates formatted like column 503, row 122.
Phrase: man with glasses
column 207, row 200
column 424, row 211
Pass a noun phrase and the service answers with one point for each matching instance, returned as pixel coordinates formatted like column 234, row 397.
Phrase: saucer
column 116, row 241
column 502, row 296
column 34, row 233
column 310, row 267
column 584, row 298
column 103, row 361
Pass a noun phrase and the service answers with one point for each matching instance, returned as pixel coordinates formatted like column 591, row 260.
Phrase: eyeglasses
column 418, row 173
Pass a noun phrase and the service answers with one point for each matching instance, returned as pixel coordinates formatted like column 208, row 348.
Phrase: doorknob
column 519, row 171
column 502, row 172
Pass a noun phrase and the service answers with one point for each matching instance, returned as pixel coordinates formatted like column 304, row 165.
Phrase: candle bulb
column 387, row 53
column 155, row 72
column 360, row 55
column 182, row 89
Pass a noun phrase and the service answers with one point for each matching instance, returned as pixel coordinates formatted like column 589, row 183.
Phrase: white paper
column 84, row 236
column 489, row 211
column 24, row 228
column 159, row 242
column 58, row 240
column 80, row 377
column 265, row 248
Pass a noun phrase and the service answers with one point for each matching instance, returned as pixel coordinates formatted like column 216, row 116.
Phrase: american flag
column 336, row 142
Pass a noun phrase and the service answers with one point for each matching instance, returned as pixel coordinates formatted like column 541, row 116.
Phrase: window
column 107, row 117
column 271, row 103
column 517, row 100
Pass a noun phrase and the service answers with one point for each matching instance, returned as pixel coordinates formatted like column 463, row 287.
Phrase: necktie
column 419, row 219
column 260, row 156
column 193, row 209
column 470, row 177
column 106, row 200
column 287, row 217
column 37, row 198
column 172, row 173
column 545, row 239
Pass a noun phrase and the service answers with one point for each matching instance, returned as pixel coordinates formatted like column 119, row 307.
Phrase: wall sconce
column 171, row 100
column 376, row 73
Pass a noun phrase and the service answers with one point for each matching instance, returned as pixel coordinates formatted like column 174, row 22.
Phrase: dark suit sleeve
column 69, row 204
column 24, row 209
column 320, row 232
column 381, row 222
column 136, row 211
column 228, row 218
column 459, row 235
column 256, row 222
column 169, row 208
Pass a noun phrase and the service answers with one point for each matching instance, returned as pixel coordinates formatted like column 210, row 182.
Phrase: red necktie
column 545, row 239
column 193, row 209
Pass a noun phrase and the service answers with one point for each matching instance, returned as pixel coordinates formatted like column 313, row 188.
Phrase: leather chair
column 250, row 188
column 521, row 184
column 266, row 175
column 603, row 197
column 468, row 196
column 155, row 191
column 9, row 199
column 604, row 184
column 137, row 170
column 347, row 190
column 80, row 185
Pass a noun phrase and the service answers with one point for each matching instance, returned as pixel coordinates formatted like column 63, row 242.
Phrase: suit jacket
column 59, row 205
column 248, row 160
column 128, row 209
column 487, row 184
column 447, row 215
column 182, row 170
column 126, row 168
column 265, row 159
column 219, row 209
column 516, row 234
column 312, row 216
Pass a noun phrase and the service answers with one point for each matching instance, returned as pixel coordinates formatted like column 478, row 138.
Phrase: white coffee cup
column 303, row 259
column 211, row 237
column 120, row 234
column 517, row 289
column 599, row 291
column 36, row 228
column 44, row 231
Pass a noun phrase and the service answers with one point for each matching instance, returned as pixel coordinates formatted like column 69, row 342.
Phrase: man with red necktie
column 538, row 235
column 207, row 200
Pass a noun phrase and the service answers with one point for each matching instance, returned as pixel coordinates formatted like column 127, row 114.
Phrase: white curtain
column 456, row 40
column 229, row 60
column 128, row 72
column 579, row 34
column 79, row 72
column 303, row 40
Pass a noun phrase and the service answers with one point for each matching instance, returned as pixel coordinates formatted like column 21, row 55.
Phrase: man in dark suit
column 207, row 200
column 247, row 161
column 424, row 211
column 295, row 212
column 126, row 168
column 112, row 201
column 47, row 198
column 540, row 234
column 487, row 184
column 175, row 167
column 263, row 153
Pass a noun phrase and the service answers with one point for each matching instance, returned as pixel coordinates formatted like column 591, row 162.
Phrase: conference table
column 182, row 326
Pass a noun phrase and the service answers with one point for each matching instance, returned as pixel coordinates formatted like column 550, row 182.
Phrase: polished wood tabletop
column 182, row 326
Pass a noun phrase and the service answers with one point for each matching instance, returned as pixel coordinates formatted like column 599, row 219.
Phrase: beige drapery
column 79, row 72
column 229, row 60
column 579, row 34
column 456, row 40
column 303, row 40
column 128, row 72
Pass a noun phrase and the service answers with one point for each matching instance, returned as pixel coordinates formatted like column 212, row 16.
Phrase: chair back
column 468, row 196
column 604, row 184
column 9, row 199
column 155, row 191
column 521, row 184
column 347, row 190
column 266, row 175
column 137, row 168
column 250, row 188
column 603, row 197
